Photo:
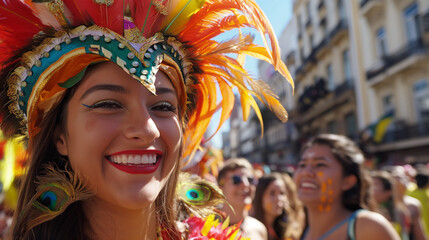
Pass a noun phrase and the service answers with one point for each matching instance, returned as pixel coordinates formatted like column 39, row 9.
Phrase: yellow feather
column 245, row 104
column 179, row 13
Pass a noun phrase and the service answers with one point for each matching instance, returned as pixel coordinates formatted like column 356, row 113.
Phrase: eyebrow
column 107, row 87
column 316, row 159
column 165, row 90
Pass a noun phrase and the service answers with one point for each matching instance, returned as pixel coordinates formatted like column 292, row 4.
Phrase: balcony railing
column 407, row 132
column 299, row 70
column 412, row 48
column 342, row 25
column 344, row 87
column 321, row 45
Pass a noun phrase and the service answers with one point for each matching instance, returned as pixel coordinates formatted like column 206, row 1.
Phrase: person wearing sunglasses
column 237, row 181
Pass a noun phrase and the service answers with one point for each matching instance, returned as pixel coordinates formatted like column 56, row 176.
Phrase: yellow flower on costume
column 211, row 229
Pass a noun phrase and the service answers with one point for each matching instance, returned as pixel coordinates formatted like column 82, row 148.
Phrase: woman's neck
column 108, row 221
column 321, row 220
column 269, row 219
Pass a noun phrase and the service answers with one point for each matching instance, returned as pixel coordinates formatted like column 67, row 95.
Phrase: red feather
column 89, row 12
column 18, row 25
column 147, row 17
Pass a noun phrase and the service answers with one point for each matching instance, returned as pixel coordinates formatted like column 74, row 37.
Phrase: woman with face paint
column 110, row 95
column 276, row 205
column 334, row 189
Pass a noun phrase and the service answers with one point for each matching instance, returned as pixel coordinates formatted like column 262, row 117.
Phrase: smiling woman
column 111, row 95
column 334, row 189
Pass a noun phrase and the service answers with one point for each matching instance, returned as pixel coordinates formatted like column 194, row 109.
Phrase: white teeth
column 145, row 159
column 308, row 185
column 134, row 159
column 123, row 159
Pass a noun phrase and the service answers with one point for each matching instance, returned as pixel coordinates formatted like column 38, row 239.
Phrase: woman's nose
column 308, row 171
column 141, row 126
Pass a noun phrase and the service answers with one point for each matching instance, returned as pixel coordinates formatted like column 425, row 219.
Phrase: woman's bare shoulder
column 254, row 223
column 371, row 225
column 254, row 228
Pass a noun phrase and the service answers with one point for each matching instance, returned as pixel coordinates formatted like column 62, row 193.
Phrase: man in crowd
column 236, row 179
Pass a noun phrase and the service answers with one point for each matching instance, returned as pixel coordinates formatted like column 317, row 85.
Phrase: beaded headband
column 141, row 58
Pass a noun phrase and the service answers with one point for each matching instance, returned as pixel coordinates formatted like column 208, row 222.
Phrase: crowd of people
column 331, row 196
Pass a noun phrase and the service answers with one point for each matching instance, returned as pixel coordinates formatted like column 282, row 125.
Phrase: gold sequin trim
column 160, row 7
column 104, row 2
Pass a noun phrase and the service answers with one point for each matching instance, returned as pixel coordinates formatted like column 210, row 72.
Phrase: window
column 421, row 100
column 387, row 102
column 351, row 126
column 411, row 23
column 341, row 10
column 330, row 76
column 332, row 127
column 347, row 68
column 324, row 30
column 381, row 42
column 301, row 54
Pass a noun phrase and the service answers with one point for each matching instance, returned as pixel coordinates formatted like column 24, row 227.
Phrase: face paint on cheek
column 326, row 197
column 269, row 207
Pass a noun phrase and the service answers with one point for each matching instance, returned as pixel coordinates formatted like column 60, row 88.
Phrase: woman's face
column 319, row 178
column 274, row 199
column 380, row 194
column 121, row 138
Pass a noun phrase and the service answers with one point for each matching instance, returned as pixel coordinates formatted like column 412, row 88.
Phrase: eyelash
column 321, row 165
column 164, row 106
column 104, row 104
column 302, row 165
column 109, row 104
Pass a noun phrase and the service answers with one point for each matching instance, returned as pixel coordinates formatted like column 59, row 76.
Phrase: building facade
column 395, row 36
column 353, row 62
column 325, row 77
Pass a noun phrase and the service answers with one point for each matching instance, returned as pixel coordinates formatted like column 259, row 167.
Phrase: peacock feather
column 56, row 191
column 197, row 197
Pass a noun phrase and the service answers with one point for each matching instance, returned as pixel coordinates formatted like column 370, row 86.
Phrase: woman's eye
column 301, row 165
column 105, row 104
column 164, row 106
column 321, row 165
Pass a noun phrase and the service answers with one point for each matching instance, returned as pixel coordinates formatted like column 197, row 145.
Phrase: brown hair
column 290, row 223
column 231, row 165
column 350, row 157
column 72, row 223
column 388, row 184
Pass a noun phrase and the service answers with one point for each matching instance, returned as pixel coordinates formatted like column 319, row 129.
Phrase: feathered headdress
column 47, row 45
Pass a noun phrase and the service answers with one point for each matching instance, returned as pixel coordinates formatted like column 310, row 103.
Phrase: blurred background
column 361, row 69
